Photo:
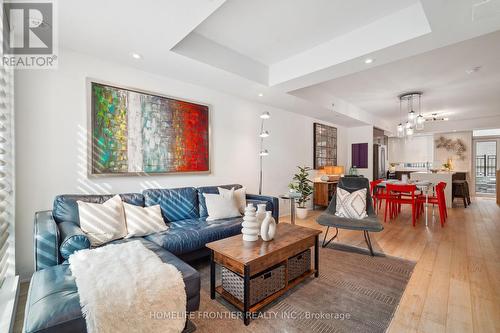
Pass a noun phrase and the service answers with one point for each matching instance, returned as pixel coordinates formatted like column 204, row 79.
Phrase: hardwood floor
column 456, row 283
column 21, row 304
column 455, row 286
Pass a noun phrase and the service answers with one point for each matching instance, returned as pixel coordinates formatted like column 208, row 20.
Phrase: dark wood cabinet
column 323, row 193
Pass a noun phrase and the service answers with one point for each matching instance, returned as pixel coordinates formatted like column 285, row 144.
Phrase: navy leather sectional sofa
column 53, row 304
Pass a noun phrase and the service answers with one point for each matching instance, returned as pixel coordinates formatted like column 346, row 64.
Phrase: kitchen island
column 435, row 178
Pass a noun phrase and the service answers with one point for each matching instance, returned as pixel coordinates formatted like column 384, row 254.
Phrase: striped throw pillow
column 143, row 221
column 104, row 222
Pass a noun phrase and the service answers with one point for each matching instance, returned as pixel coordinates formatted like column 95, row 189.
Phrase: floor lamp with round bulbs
column 263, row 152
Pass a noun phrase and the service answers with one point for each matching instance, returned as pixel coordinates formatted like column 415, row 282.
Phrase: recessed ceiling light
column 261, row 94
column 136, row 55
column 369, row 60
column 473, row 70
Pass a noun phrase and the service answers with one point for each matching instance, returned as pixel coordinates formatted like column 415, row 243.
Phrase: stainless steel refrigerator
column 379, row 161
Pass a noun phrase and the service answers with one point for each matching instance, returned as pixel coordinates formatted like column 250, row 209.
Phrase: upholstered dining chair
column 368, row 224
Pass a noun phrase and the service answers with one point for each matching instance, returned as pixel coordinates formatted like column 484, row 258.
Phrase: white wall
column 486, row 132
column 51, row 124
column 416, row 149
column 441, row 155
column 361, row 134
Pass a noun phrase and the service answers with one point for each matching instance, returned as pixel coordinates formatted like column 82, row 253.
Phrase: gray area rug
column 354, row 293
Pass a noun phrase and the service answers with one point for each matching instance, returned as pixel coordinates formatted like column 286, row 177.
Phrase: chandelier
column 412, row 103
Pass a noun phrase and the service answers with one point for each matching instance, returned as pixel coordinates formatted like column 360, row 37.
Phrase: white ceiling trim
column 198, row 47
column 393, row 29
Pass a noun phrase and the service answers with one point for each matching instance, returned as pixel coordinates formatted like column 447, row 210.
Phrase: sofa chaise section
column 53, row 304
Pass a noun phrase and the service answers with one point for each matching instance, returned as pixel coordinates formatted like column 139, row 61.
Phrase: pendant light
column 415, row 119
column 411, row 113
column 400, row 129
column 420, row 119
column 409, row 131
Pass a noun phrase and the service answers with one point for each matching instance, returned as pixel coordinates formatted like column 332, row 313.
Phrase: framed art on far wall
column 359, row 155
column 135, row 132
column 325, row 145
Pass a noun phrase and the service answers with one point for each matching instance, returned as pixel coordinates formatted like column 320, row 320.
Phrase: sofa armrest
column 272, row 203
column 46, row 240
column 72, row 239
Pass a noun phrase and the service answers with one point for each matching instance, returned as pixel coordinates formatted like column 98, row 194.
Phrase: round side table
column 292, row 197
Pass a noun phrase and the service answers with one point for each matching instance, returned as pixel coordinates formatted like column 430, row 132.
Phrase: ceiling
column 270, row 31
column 440, row 74
column 304, row 56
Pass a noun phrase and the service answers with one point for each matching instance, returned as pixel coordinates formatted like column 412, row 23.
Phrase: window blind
column 6, row 175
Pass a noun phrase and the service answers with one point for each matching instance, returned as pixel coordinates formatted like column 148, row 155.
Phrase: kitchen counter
column 435, row 178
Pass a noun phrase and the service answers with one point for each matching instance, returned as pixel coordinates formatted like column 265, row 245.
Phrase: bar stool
column 460, row 189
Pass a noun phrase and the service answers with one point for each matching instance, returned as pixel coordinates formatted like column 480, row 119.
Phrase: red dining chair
column 439, row 199
column 398, row 195
column 378, row 194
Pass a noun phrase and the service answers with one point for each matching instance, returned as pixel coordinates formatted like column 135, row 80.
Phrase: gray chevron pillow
column 351, row 205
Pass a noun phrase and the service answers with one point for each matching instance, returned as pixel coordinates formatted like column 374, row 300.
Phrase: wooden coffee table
column 248, row 259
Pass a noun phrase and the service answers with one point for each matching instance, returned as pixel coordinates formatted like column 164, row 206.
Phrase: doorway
column 485, row 166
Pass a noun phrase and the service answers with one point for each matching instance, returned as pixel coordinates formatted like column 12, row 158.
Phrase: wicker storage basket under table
column 261, row 269
column 261, row 286
column 299, row 264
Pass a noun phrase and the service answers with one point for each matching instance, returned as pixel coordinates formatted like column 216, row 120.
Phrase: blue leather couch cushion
column 66, row 209
column 212, row 190
column 53, row 304
column 176, row 204
column 72, row 239
column 190, row 235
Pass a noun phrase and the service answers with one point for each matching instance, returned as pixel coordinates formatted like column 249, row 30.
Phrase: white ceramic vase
column 250, row 225
column 268, row 227
column 260, row 214
column 301, row 213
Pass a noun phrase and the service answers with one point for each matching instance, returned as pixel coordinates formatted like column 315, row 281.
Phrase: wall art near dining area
column 135, row 132
column 325, row 146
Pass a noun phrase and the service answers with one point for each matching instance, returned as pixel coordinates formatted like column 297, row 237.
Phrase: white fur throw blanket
column 127, row 288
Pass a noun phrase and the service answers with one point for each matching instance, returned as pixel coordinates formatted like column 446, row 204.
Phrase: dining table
column 423, row 186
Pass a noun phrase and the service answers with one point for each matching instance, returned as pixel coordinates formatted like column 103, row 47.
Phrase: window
column 6, row 175
column 325, row 146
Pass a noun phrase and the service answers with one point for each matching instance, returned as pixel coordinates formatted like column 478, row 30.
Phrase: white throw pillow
column 240, row 196
column 351, row 205
column 143, row 221
column 102, row 222
column 221, row 206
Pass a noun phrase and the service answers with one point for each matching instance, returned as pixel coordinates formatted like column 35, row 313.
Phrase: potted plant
column 301, row 184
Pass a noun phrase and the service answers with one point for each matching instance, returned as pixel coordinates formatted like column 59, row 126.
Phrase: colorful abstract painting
column 135, row 132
